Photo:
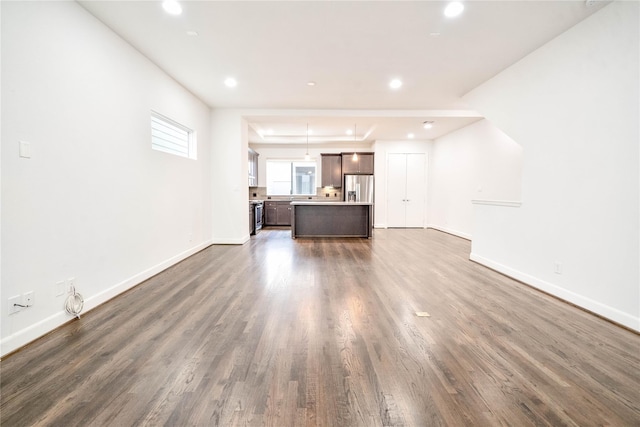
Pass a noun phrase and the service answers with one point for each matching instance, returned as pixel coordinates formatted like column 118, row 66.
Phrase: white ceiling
column 350, row 49
column 331, row 126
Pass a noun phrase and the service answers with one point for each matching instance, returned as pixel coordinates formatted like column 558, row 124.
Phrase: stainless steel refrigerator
column 358, row 188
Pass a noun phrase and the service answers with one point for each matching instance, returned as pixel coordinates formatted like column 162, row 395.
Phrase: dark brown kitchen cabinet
column 332, row 170
column 277, row 213
column 283, row 214
column 270, row 213
column 362, row 165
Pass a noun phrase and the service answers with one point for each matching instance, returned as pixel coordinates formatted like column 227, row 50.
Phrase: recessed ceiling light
column 310, row 83
column 230, row 82
column 410, row 135
column 349, row 132
column 192, row 33
column 453, row 9
column 172, row 7
column 395, row 83
column 428, row 125
column 434, row 34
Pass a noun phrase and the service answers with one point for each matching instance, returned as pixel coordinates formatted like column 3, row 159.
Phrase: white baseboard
column 230, row 241
column 44, row 326
column 596, row 307
column 450, row 231
column 379, row 225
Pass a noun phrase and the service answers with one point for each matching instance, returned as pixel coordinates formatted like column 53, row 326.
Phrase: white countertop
column 317, row 203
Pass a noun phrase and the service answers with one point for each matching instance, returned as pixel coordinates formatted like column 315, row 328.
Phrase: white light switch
column 25, row 149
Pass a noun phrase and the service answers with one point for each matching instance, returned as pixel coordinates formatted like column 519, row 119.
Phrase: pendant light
column 355, row 155
column 306, row 156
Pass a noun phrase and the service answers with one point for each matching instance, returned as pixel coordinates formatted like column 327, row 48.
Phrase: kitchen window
column 291, row 178
column 172, row 137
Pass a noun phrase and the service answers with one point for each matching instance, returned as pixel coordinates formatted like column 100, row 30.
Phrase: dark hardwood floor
column 284, row 332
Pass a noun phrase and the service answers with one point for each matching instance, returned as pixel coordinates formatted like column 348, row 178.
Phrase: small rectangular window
column 171, row 137
column 291, row 178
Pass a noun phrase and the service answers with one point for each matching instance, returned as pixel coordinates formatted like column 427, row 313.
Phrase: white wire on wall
column 74, row 303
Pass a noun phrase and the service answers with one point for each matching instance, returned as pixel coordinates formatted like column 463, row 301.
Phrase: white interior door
column 416, row 190
column 396, row 190
column 406, row 190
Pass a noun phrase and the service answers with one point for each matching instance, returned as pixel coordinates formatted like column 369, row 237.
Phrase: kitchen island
column 331, row 219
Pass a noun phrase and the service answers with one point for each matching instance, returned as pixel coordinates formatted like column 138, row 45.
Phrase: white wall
column 573, row 106
column 476, row 162
column 94, row 202
column 229, row 172
column 382, row 149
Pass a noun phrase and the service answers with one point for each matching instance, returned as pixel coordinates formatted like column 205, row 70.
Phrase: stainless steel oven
column 258, row 208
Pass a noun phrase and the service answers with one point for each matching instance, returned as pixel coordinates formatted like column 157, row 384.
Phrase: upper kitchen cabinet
column 253, row 168
column 362, row 165
column 332, row 170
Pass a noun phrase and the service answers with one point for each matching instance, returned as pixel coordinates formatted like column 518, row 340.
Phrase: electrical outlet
column 12, row 301
column 557, row 267
column 28, row 299
column 61, row 288
column 25, row 149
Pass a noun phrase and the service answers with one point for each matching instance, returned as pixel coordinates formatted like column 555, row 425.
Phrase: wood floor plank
column 323, row 332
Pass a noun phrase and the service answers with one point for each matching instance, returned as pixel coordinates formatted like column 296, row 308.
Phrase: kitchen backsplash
column 260, row 193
